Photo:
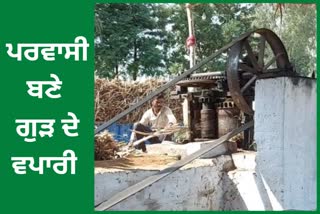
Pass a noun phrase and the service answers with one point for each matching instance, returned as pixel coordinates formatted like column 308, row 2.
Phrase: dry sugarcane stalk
column 166, row 131
column 105, row 146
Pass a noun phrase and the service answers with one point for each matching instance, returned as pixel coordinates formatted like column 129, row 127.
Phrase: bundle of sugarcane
column 105, row 146
column 113, row 97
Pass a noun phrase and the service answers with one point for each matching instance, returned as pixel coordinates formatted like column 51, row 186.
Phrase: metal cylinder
column 228, row 118
column 196, row 126
column 208, row 121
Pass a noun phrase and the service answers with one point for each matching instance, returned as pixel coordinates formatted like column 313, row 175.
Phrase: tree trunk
column 135, row 61
column 117, row 70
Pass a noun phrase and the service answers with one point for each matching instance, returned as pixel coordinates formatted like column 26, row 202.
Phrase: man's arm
column 171, row 118
column 145, row 119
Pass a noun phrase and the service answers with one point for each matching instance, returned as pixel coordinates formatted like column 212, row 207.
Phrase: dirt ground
column 141, row 161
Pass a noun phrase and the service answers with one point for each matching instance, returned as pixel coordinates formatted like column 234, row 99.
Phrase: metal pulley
column 260, row 54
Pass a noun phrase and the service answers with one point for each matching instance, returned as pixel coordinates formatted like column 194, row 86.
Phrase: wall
column 196, row 186
column 285, row 133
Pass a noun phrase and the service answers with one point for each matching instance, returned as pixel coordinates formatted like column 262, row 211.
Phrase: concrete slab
column 225, row 148
column 184, row 150
column 244, row 160
column 196, row 186
column 285, row 134
column 167, row 148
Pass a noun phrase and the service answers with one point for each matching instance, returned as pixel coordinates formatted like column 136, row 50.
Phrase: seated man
column 157, row 117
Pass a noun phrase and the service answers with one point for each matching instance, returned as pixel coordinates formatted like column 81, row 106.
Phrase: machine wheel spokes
column 259, row 54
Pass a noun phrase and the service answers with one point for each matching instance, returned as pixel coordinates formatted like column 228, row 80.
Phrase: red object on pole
column 191, row 41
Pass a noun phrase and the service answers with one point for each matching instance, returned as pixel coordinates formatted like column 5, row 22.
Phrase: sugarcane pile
column 105, row 146
column 114, row 96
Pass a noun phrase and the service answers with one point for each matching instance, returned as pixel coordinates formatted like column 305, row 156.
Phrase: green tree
column 150, row 39
column 215, row 25
column 296, row 27
column 110, row 49
column 127, row 42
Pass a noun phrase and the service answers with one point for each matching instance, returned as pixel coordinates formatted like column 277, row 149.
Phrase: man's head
column 157, row 102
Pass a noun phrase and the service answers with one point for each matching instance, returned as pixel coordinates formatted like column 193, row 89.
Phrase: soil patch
column 143, row 161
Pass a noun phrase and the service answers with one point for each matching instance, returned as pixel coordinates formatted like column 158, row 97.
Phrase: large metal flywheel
column 261, row 54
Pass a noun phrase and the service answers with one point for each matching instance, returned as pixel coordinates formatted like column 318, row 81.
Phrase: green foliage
column 214, row 24
column 133, row 40
column 127, row 40
column 149, row 39
column 297, row 30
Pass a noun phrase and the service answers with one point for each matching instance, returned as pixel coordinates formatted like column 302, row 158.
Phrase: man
column 157, row 117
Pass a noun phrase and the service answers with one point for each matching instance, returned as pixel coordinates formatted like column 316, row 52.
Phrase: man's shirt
column 159, row 121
